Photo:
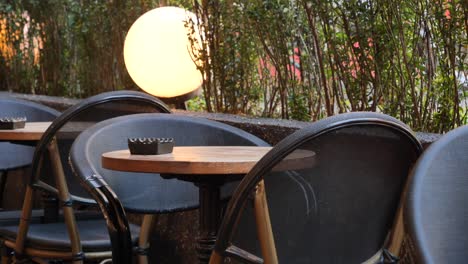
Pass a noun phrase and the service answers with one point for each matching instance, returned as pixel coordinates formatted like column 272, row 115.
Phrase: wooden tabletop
column 201, row 160
column 32, row 131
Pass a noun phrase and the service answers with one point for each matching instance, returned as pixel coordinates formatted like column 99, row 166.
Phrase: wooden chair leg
column 26, row 213
column 64, row 197
column 143, row 241
column 398, row 233
column 6, row 255
column 24, row 220
column 264, row 231
column 216, row 258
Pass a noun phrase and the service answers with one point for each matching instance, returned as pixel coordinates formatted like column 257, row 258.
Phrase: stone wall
column 269, row 129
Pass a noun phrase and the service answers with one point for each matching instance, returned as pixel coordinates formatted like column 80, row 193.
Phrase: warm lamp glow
column 157, row 56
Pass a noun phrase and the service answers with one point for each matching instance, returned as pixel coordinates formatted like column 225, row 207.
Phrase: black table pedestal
column 209, row 217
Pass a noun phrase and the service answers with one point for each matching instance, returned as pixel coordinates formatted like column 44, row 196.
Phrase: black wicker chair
column 69, row 240
column 436, row 211
column 13, row 155
column 338, row 209
column 140, row 192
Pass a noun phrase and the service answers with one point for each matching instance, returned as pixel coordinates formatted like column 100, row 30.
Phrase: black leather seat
column 54, row 236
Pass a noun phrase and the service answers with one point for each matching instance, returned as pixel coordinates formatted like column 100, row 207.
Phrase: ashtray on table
column 150, row 146
column 12, row 122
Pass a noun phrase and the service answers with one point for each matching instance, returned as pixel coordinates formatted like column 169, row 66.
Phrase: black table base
column 209, row 217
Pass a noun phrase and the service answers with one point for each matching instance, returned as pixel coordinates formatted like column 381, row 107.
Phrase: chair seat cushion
column 54, row 236
column 11, row 217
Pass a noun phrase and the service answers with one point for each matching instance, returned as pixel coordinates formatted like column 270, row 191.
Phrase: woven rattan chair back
column 338, row 207
column 436, row 213
column 76, row 119
column 155, row 194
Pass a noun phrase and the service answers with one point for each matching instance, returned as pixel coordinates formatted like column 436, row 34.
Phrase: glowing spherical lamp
column 157, row 53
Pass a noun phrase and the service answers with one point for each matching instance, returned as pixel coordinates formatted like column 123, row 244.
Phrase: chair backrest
column 15, row 155
column 142, row 192
column 436, row 213
column 77, row 118
column 336, row 208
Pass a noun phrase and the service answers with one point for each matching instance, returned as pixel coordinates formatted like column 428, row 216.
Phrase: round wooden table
column 208, row 167
column 32, row 131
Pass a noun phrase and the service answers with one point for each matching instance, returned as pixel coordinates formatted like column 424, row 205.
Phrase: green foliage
column 302, row 59
column 298, row 107
column 81, row 45
column 196, row 104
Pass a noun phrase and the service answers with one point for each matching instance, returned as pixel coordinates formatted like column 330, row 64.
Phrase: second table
column 208, row 167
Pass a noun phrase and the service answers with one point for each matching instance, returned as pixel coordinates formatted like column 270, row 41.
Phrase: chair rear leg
column 143, row 241
column 64, row 196
column 397, row 233
column 264, row 231
column 6, row 255
column 216, row 258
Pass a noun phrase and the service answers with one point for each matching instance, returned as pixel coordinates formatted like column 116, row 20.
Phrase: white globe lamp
column 157, row 53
